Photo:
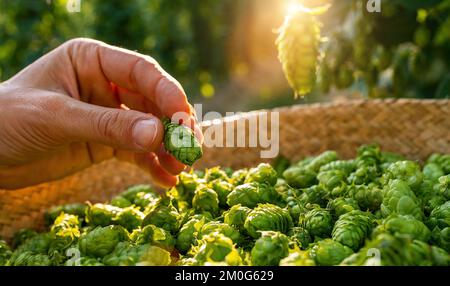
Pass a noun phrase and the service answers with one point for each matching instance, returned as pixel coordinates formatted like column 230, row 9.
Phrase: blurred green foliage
column 186, row 37
column 404, row 51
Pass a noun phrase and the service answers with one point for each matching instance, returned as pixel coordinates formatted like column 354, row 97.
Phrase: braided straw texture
column 414, row 128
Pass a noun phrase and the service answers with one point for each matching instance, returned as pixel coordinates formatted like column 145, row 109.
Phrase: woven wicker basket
column 410, row 127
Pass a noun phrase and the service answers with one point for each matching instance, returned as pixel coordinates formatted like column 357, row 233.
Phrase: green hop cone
column 391, row 250
column 187, row 235
column 331, row 179
column 441, row 238
column 298, row 258
column 66, row 226
column 322, row 159
column 120, row 202
column 263, row 174
column 351, row 229
column 130, row 218
column 407, row 171
column 223, row 228
column 442, row 160
column 206, row 200
column 84, row 261
column 328, row 252
column 298, row 50
column 127, row 254
column 280, row 164
column 432, row 171
column 236, row 216
column 363, row 175
column 342, row 206
column 299, row 177
column 223, row 189
column 301, row 237
column 154, row 235
column 318, row 222
column 102, row 240
column 23, row 235
column 267, row 217
column 181, row 142
column 238, row 177
column 215, row 173
column 398, row 198
column 163, row 216
column 405, row 225
column 101, row 214
column 77, row 209
column 368, row 197
column 315, row 195
column 368, row 155
column 345, row 166
column 251, row 194
column 132, row 193
column 34, row 249
column 28, row 258
column 269, row 249
column 5, row 253
column 186, row 186
column 444, row 186
column 440, row 217
column 215, row 247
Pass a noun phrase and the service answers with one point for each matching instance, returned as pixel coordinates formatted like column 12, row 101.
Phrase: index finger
column 136, row 72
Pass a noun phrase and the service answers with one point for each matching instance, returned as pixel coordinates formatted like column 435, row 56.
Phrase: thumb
column 118, row 128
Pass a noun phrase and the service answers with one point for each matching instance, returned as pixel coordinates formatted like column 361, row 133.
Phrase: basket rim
column 326, row 105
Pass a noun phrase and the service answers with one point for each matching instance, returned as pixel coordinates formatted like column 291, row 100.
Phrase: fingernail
column 144, row 133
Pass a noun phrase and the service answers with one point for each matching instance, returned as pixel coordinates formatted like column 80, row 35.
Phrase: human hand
column 83, row 103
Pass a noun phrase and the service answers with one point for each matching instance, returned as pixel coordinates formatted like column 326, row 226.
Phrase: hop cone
column 267, row 217
column 127, row 254
column 398, row 198
column 236, row 216
column 251, row 194
column 318, row 222
column 301, row 237
column 188, row 233
column 223, row 228
column 269, row 249
column 5, row 253
column 322, row 159
column 102, row 240
column 162, row 216
column 206, row 200
column 215, row 247
column 298, row 259
column 391, row 250
column 342, row 206
column 352, row 228
column 440, row 216
column 340, row 165
column 405, row 225
column 101, row 214
column 180, row 141
column 263, row 173
column 328, row 252
column 298, row 52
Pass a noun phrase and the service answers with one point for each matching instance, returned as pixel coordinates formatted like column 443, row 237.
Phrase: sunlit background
column 223, row 52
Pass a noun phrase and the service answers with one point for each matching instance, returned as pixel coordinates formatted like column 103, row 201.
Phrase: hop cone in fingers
column 180, row 141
